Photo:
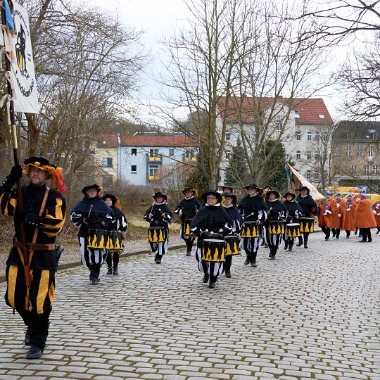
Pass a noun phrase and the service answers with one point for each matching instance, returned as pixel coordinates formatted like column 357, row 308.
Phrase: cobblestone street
column 311, row 313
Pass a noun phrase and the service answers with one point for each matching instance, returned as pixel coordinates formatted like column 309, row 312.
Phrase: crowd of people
column 217, row 223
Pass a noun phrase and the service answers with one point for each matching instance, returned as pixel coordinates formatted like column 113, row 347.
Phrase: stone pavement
column 309, row 314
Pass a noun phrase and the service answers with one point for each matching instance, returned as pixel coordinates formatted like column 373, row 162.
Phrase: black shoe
column 211, row 285
column 109, row 271
column 253, row 264
column 115, row 272
column 369, row 240
column 95, row 281
column 157, row 259
column 305, row 245
column 247, row 261
column 290, row 249
column 205, row 278
column 228, row 274
column 300, row 242
column 34, row 352
column 363, row 241
column 188, row 252
column 27, row 337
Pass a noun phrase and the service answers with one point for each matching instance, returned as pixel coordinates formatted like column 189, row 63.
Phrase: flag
column 296, row 181
column 9, row 16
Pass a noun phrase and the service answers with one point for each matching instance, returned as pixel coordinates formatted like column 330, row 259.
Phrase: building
column 356, row 154
column 157, row 160
column 304, row 126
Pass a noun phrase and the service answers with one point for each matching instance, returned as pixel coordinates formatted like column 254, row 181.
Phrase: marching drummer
column 121, row 225
column 94, row 218
column 275, row 223
column 229, row 205
column 211, row 224
column 187, row 209
column 309, row 210
column 253, row 211
column 159, row 216
column 294, row 212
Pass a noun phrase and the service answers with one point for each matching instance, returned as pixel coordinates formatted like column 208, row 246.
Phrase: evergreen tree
column 237, row 167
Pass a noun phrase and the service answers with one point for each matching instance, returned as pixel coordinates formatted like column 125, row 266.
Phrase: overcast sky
column 161, row 17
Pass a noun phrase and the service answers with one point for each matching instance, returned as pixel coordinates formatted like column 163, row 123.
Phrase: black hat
column 289, row 193
column 305, row 188
column 94, row 186
column 159, row 194
column 227, row 189
column 189, row 189
column 112, row 197
column 276, row 193
column 212, row 192
column 230, row 195
column 252, row 186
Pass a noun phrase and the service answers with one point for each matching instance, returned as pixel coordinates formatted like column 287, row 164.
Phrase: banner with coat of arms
column 19, row 50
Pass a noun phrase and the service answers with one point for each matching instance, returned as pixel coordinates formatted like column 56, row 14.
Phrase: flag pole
column 12, row 124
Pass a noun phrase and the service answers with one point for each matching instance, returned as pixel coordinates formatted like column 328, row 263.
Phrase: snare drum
column 276, row 227
column 186, row 228
column 115, row 241
column 306, row 224
column 97, row 238
column 293, row 230
column 156, row 234
column 249, row 229
column 213, row 250
column 232, row 245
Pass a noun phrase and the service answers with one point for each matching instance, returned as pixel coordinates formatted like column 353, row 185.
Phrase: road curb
column 122, row 258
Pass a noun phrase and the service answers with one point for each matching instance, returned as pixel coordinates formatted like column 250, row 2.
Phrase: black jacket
column 307, row 205
column 276, row 210
column 237, row 220
column 294, row 211
column 92, row 213
column 188, row 208
column 252, row 208
column 159, row 215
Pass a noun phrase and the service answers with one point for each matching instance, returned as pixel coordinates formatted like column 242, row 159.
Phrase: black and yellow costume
column 294, row 211
column 211, row 222
column 41, row 219
column 92, row 215
column 187, row 209
column 121, row 225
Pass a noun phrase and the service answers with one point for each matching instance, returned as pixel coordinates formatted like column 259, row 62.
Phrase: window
column 153, row 170
column 228, row 154
column 370, row 151
column 316, row 176
column 133, row 169
column 153, row 153
column 359, row 151
column 353, row 169
column 374, row 169
column 317, row 136
column 171, row 152
column 348, row 151
column 134, row 152
column 366, row 169
column 309, row 136
column 308, row 155
column 308, row 175
column 107, row 162
column 278, row 125
column 189, row 153
column 337, row 151
column 321, row 116
column 298, row 135
column 298, row 155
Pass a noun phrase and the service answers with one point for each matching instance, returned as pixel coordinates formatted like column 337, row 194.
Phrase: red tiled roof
column 309, row 110
column 160, row 140
column 108, row 140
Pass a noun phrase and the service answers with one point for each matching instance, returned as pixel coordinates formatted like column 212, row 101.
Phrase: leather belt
column 36, row 247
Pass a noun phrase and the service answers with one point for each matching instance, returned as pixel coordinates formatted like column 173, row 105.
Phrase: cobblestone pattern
column 309, row 314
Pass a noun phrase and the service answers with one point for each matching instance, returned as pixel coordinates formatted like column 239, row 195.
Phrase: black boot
column 212, row 283
column 109, row 270
column 337, row 233
column 34, row 352
column 300, row 241
column 205, row 278
column 369, row 236
column 247, row 260
column 348, row 233
column 378, row 230
column 291, row 243
column 253, row 260
column 306, row 238
column 27, row 337
column 188, row 251
column 286, row 245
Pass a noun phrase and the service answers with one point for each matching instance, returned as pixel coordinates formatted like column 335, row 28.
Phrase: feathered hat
column 53, row 172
